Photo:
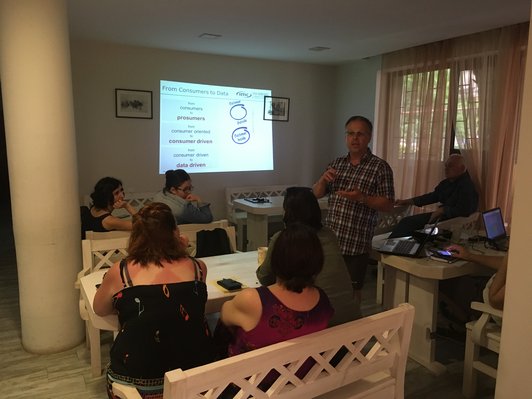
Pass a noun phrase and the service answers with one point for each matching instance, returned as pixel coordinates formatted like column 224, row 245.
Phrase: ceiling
column 286, row 29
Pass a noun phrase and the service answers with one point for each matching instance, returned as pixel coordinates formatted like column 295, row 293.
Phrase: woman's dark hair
column 153, row 237
column 301, row 206
column 102, row 196
column 297, row 257
column 174, row 178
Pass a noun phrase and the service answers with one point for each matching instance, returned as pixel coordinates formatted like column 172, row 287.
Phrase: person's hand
column 354, row 195
column 458, row 251
column 328, row 176
column 120, row 204
column 403, row 202
column 436, row 215
column 193, row 197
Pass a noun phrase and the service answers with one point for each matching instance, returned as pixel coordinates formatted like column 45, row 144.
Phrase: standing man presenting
column 359, row 185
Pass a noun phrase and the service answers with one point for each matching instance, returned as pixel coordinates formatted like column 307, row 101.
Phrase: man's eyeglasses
column 186, row 189
column 356, row 134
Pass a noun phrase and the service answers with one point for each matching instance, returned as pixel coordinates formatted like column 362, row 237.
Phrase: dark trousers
column 357, row 266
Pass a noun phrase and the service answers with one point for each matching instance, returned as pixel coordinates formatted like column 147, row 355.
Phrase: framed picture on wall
column 276, row 108
column 133, row 103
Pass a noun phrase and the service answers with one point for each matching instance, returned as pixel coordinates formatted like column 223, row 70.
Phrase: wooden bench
column 136, row 200
column 238, row 217
column 373, row 365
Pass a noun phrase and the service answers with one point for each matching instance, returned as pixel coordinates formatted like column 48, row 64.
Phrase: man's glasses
column 356, row 134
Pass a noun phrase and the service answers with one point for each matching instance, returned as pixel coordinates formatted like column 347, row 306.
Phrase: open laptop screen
column 494, row 224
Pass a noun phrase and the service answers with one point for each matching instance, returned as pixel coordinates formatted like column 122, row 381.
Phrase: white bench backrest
column 136, row 200
column 98, row 253
column 376, row 345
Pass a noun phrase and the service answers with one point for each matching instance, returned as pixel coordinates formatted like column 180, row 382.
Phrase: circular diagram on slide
column 238, row 111
column 241, row 135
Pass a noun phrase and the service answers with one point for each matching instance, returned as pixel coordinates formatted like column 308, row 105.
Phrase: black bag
column 212, row 243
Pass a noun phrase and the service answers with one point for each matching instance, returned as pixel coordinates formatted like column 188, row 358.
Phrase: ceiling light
column 209, row 36
column 319, row 48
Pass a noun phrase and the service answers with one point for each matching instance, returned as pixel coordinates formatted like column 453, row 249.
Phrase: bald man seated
column 456, row 195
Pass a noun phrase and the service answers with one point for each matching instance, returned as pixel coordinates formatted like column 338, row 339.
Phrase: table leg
column 257, row 231
column 423, row 295
column 395, row 287
column 95, row 350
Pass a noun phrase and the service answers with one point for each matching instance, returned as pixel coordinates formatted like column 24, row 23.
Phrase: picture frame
column 133, row 103
column 276, row 108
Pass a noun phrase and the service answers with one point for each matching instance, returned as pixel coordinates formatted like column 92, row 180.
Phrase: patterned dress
column 162, row 328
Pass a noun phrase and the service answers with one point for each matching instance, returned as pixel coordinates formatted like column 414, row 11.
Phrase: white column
column 41, row 149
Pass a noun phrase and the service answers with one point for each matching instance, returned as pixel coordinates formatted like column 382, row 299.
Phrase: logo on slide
column 241, row 135
column 243, row 94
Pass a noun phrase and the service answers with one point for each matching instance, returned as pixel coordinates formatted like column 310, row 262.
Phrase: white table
column 240, row 266
column 257, row 215
column 416, row 281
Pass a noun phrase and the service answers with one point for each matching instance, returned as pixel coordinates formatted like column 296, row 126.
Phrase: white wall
column 128, row 148
column 356, row 84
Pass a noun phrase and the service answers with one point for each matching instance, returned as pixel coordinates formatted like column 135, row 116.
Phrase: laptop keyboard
column 404, row 247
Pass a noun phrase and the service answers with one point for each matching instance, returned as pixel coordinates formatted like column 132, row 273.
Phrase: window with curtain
column 461, row 94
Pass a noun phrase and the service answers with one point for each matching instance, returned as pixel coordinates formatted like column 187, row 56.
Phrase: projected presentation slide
column 208, row 128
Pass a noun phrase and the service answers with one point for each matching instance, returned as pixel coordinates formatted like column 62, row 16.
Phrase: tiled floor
column 67, row 374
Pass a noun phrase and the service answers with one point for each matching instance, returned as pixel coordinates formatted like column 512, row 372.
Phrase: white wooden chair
column 98, row 254
column 486, row 333
column 238, row 217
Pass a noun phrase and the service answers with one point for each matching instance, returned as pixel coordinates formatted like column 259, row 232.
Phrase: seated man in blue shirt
column 456, row 194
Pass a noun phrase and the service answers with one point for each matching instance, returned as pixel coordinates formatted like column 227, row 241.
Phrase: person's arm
column 111, row 284
column 497, row 288
column 244, row 310
column 113, row 223
column 264, row 271
column 196, row 214
column 492, row 261
column 409, row 201
column 320, row 187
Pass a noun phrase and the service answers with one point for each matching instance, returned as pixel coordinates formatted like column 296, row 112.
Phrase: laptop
column 495, row 230
column 408, row 246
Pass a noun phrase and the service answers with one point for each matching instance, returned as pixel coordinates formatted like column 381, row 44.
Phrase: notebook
column 407, row 246
column 494, row 227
